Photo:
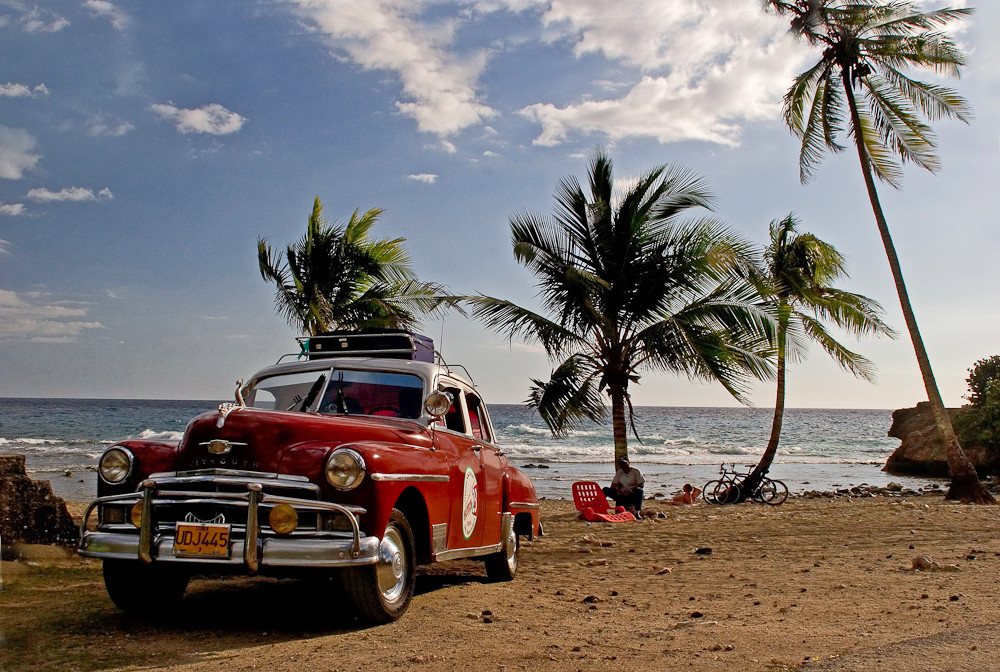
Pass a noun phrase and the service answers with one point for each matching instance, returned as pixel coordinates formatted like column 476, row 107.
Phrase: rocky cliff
column 921, row 452
column 29, row 511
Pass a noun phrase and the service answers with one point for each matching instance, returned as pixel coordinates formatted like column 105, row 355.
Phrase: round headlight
column 115, row 465
column 345, row 469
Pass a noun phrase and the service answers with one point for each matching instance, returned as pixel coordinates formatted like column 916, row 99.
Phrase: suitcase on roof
column 390, row 343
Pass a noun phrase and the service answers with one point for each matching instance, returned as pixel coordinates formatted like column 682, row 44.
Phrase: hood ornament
column 220, row 446
column 228, row 407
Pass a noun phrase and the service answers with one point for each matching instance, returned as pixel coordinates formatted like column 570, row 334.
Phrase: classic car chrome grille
column 206, row 495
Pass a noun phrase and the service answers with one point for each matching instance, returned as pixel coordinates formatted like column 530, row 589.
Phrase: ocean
column 821, row 449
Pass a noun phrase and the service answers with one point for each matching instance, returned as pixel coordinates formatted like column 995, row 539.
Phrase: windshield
column 340, row 391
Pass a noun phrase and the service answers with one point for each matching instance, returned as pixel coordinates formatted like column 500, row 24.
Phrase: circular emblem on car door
column 470, row 503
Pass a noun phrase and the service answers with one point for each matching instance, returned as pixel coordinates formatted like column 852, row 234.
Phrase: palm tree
column 627, row 287
column 867, row 45
column 336, row 277
column 797, row 284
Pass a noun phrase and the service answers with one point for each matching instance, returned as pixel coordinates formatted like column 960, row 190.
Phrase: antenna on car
column 441, row 343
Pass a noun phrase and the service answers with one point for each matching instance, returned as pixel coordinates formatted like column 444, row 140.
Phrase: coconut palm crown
column 338, row 277
column 627, row 286
column 859, row 87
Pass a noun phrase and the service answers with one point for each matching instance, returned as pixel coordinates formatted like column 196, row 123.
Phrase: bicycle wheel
column 727, row 492
column 773, row 492
column 708, row 491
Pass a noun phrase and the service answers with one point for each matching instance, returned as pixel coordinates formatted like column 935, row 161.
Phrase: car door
column 465, row 526
column 491, row 463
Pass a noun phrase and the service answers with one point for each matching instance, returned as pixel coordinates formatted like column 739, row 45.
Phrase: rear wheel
column 381, row 592
column 138, row 588
column 502, row 566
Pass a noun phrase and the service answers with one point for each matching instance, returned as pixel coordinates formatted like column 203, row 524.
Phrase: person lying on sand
column 687, row 495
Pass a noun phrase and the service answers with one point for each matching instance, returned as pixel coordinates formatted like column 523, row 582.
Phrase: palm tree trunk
column 753, row 480
column 617, row 394
column 965, row 484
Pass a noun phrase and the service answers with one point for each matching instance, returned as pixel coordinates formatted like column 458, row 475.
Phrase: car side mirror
column 438, row 403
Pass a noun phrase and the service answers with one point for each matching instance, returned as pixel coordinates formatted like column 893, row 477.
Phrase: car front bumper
column 249, row 549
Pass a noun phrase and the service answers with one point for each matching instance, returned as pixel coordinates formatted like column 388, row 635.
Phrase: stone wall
column 921, row 452
column 29, row 511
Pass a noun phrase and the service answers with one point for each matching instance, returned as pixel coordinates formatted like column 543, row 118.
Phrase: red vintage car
column 358, row 460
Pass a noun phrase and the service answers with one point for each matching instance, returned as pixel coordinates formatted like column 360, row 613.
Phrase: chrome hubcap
column 391, row 569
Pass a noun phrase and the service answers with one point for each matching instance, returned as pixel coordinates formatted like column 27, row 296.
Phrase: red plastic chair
column 591, row 502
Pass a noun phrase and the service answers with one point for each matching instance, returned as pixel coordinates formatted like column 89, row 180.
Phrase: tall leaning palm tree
column 629, row 286
column 338, row 277
column 798, row 273
column 867, row 47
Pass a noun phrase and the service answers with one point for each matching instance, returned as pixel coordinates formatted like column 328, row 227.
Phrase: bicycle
column 727, row 489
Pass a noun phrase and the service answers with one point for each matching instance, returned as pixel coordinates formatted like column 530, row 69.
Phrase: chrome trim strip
column 467, row 552
column 523, row 505
column 419, row 478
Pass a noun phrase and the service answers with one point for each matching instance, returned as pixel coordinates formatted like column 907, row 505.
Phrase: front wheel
column 381, row 592
column 726, row 492
column 502, row 566
column 138, row 588
column 708, row 491
column 773, row 492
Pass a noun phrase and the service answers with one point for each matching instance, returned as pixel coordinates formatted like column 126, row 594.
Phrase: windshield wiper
column 313, row 391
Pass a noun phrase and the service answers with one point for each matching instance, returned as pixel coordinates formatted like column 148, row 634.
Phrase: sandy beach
column 821, row 583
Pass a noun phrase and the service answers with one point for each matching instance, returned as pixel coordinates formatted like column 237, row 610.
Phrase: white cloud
column 31, row 320
column 11, row 209
column 17, row 152
column 39, row 20
column 705, row 68
column 428, row 178
column 4, row 246
column 439, row 87
column 11, row 90
column 102, row 8
column 102, row 125
column 213, row 118
column 79, row 194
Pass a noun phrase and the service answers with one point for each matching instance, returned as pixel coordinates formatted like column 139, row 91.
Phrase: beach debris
column 600, row 562
column 487, row 616
column 594, row 541
column 703, row 550
column 661, row 570
column 922, row 563
column 591, row 599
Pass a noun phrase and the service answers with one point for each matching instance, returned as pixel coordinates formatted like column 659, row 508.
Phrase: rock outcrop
column 29, row 511
column 921, row 452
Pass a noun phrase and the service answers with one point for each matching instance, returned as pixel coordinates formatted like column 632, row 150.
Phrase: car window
column 288, row 392
column 379, row 393
column 477, row 418
column 346, row 392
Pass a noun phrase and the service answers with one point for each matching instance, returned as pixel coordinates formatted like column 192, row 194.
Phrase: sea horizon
column 821, row 449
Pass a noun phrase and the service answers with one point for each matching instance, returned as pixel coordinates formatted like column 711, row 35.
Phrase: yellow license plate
column 201, row 540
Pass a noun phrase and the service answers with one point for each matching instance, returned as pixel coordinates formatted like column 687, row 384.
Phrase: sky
column 146, row 146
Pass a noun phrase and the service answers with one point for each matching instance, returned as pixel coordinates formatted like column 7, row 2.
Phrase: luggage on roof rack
column 389, row 343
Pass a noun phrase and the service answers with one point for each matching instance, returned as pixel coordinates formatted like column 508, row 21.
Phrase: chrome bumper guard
column 252, row 551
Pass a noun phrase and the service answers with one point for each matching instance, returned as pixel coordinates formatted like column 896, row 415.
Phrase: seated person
column 687, row 495
column 626, row 487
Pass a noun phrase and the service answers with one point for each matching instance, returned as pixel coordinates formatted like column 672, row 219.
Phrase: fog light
column 283, row 519
column 136, row 514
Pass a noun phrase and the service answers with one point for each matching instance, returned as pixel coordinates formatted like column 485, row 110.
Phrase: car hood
column 256, row 440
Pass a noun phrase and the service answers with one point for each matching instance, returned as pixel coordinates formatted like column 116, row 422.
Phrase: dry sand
column 827, row 584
